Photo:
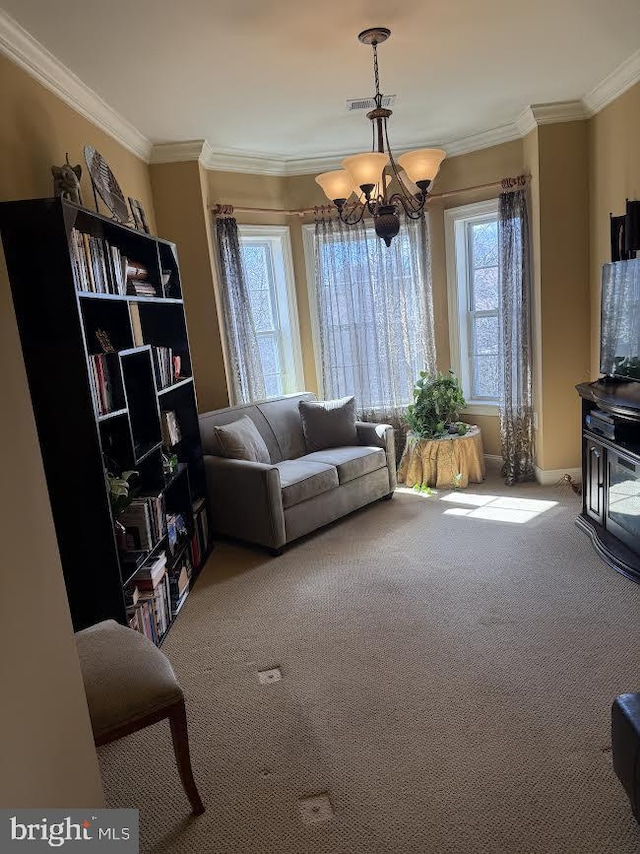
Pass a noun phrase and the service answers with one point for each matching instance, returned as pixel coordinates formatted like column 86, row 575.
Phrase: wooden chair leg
column 180, row 736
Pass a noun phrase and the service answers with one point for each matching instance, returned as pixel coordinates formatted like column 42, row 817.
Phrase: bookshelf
column 104, row 338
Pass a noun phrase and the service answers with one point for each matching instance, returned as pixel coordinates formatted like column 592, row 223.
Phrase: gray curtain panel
column 243, row 353
column 516, row 398
column 375, row 315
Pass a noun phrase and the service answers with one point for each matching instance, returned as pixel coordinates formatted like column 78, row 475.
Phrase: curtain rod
column 505, row 185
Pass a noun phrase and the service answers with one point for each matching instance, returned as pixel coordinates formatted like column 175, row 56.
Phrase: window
column 266, row 256
column 472, row 273
column 370, row 311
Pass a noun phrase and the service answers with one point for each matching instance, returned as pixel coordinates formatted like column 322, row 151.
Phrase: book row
column 104, row 378
column 156, row 595
column 100, row 268
column 145, row 522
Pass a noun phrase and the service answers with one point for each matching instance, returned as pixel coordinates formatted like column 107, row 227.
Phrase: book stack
column 149, row 611
column 104, row 375
column 145, row 522
column 136, row 277
column 167, row 366
column 199, row 545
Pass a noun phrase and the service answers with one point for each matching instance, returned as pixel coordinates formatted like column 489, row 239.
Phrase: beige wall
column 48, row 758
column 614, row 175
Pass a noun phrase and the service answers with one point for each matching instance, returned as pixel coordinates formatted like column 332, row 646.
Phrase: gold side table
column 451, row 461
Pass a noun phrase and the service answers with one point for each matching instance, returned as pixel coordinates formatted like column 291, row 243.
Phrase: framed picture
column 139, row 216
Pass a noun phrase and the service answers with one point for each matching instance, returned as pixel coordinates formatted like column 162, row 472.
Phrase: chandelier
column 372, row 176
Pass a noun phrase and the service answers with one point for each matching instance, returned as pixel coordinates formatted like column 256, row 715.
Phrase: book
column 171, row 434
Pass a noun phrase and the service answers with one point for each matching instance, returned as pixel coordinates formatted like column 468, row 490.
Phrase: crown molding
column 178, row 152
column 615, row 84
column 26, row 52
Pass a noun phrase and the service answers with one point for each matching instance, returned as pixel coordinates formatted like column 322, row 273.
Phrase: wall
column 614, row 175
column 47, row 749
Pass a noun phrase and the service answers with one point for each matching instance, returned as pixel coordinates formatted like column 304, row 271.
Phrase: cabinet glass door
column 594, row 485
column 623, row 506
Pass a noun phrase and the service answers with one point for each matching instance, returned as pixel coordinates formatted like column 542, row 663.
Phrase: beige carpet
column 446, row 678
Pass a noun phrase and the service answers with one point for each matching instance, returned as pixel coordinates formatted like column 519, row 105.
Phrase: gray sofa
column 273, row 504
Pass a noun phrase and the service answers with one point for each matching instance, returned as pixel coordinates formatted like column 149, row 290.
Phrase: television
column 620, row 320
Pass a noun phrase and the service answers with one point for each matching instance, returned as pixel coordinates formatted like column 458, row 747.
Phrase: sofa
column 273, row 503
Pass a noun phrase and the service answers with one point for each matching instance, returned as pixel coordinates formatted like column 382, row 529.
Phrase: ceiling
column 271, row 77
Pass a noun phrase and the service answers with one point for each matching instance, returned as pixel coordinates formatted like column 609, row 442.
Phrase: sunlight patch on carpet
column 496, row 508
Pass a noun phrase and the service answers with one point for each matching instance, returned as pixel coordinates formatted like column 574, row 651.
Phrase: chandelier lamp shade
column 382, row 186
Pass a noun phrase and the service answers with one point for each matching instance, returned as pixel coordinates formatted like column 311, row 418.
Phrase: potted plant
column 120, row 499
column 437, row 402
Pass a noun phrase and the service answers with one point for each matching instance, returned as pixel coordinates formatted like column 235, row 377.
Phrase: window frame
column 278, row 238
column 459, row 292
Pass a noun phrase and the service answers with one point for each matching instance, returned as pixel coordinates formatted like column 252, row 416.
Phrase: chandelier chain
column 376, row 75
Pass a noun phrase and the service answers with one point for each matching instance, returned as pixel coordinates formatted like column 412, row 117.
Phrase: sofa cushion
column 350, row 462
column 328, row 423
column 240, row 440
column 301, row 480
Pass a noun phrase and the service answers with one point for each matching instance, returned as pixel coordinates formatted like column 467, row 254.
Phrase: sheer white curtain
column 375, row 314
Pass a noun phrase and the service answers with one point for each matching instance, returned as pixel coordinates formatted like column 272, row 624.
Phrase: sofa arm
column 380, row 436
column 246, row 500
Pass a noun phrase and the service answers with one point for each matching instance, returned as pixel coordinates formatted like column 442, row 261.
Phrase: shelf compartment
column 142, row 402
column 169, row 269
column 110, row 317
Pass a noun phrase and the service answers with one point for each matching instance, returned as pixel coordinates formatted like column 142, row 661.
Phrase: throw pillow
column 241, row 440
column 328, row 423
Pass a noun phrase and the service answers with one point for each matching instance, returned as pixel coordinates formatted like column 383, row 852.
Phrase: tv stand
column 611, row 474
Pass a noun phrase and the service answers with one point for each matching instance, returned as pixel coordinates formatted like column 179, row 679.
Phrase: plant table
column 451, row 461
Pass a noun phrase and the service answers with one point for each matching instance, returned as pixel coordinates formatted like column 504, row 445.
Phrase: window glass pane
column 262, row 310
column 256, row 265
column 484, row 290
column 269, row 355
column 485, row 377
column 273, row 385
column 485, row 335
column 484, row 242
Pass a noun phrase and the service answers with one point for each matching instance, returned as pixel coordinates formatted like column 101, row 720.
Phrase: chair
column 130, row 684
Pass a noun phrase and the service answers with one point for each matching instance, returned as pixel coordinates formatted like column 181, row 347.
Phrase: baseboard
column 493, row 458
column 549, row 477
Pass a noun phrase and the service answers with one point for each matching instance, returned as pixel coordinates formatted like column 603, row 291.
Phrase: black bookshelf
column 68, row 314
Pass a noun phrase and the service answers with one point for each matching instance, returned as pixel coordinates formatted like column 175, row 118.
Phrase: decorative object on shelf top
column 139, row 216
column 66, row 181
column 105, row 185
column 371, row 175
column 625, row 233
column 436, row 407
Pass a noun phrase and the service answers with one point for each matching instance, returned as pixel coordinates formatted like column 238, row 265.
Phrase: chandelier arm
column 351, row 215
column 408, row 199
column 412, row 207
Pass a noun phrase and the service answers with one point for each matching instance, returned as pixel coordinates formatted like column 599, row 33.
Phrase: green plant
column 119, row 488
column 437, row 401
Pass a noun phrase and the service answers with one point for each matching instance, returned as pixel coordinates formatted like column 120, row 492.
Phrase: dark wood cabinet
column 611, row 473
column 82, row 324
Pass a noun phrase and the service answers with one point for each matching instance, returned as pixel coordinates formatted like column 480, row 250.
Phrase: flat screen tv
column 620, row 327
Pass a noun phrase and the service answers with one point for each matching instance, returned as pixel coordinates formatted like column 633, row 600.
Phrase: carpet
column 447, row 666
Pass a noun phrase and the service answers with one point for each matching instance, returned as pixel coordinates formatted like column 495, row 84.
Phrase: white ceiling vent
column 369, row 103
